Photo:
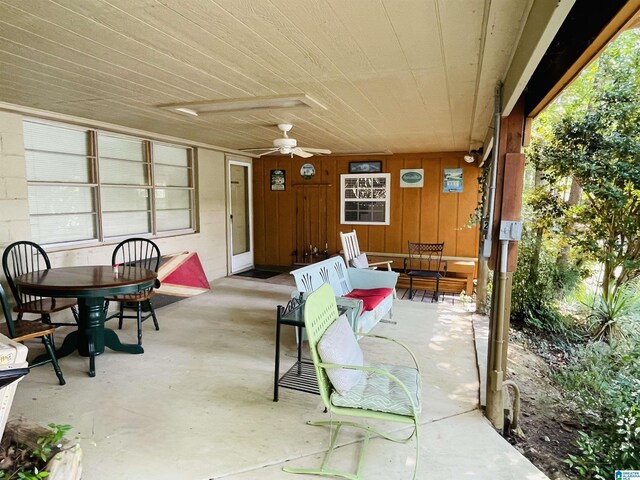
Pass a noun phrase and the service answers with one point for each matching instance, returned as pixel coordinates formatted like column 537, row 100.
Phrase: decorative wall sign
column 307, row 170
column 277, row 180
column 412, row 178
column 452, row 180
column 365, row 167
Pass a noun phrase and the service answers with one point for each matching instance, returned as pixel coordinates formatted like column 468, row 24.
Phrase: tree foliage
column 592, row 134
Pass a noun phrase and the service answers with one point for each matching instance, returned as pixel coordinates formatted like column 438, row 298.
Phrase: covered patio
column 199, row 403
column 419, row 86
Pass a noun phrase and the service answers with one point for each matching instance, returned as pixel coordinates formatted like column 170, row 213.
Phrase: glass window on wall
column 125, row 186
column 173, row 177
column 365, row 199
column 61, row 183
column 87, row 185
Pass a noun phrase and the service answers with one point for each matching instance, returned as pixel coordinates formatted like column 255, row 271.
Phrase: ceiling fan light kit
column 288, row 146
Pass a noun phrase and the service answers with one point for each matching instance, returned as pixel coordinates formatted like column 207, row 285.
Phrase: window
column 86, row 185
column 365, row 199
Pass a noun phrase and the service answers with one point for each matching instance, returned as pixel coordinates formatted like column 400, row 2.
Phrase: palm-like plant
column 615, row 315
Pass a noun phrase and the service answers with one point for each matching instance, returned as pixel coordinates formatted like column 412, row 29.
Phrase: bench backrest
column 332, row 271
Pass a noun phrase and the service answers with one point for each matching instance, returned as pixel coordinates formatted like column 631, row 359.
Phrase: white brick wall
column 14, row 206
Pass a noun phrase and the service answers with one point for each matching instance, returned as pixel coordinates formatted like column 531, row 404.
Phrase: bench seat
column 344, row 281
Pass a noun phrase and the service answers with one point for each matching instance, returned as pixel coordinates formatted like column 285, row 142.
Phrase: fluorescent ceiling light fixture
column 187, row 111
column 247, row 104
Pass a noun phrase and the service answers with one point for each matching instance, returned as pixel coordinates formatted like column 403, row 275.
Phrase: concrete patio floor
column 198, row 403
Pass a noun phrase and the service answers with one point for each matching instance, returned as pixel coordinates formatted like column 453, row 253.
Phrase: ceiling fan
column 288, row 146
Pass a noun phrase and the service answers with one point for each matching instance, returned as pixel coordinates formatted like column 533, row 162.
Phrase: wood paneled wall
column 417, row 214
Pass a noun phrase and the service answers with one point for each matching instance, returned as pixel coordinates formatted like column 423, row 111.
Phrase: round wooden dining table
column 90, row 285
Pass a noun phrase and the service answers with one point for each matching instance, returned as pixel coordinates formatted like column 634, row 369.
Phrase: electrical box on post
column 510, row 230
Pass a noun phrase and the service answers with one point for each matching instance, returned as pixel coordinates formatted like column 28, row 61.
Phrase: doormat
column 253, row 273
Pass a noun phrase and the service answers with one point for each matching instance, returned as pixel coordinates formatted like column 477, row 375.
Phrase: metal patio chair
column 383, row 392
column 425, row 262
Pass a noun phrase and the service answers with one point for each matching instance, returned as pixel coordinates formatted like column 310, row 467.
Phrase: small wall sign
column 452, row 180
column 307, row 170
column 278, row 180
column 412, row 178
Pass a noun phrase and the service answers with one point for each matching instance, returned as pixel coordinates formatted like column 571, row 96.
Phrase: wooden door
column 311, row 223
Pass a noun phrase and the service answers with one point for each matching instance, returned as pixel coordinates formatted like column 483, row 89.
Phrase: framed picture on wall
column 452, row 180
column 365, row 167
column 277, row 180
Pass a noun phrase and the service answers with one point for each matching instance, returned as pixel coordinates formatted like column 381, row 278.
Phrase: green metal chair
column 385, row 392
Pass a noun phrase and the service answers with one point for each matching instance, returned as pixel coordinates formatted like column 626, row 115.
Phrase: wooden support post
column 510, row 177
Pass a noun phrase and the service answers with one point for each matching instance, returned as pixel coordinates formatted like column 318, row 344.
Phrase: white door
column 240, row 215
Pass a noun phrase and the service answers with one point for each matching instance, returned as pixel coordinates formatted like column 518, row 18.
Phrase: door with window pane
column 240, row 215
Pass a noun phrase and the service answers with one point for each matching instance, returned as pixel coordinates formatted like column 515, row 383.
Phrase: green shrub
column 538, row 282
column 604, row 381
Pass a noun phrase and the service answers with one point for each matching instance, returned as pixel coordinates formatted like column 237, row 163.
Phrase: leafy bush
column 537, row 282
column 28, row 463
column 604, row 380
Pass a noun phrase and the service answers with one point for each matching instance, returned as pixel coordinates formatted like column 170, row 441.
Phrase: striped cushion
column 379, row 393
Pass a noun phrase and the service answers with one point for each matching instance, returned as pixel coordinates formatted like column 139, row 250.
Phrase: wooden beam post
column 510, row 177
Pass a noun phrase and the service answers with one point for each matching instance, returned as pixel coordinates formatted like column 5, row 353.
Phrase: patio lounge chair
column 349, row 386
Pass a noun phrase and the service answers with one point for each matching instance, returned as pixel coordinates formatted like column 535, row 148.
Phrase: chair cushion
column 371, row 297
column 360, row 261
column 380, row 393
column 339, row 345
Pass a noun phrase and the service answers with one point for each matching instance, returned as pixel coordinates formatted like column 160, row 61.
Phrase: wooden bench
column 461, row 271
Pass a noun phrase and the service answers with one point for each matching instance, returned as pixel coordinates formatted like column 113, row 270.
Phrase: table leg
column 277, row 362
column 112, row 341
column 92, row 336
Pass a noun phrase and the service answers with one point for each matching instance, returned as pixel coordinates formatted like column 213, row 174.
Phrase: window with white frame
column 364, row 198
column 87, row 185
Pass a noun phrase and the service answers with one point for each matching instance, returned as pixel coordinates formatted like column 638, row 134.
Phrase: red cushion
column 371, row 297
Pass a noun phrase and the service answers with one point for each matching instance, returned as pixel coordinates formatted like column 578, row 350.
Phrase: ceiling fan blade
column 317, row 150
column 301, row 153
column 256, row 149
column 271, row 150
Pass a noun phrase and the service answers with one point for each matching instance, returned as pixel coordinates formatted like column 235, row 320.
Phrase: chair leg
column 437, row 292
column 139, row 315
column 74, row 310
column 410, row 288
column 153, row 314
column 47, row 345
column 106, row 308
column 121, row 316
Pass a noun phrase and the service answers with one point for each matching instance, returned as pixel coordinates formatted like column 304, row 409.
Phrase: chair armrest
column 387, row 263
column 363, row 278
column 354, row 307
column 393, row 340
column 375, row 371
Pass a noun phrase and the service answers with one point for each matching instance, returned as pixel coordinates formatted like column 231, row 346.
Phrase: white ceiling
column 394, row 75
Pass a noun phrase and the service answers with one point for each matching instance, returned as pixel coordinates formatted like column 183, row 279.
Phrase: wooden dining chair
column 143, row 253
column 24, row 257
column 22, row 330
